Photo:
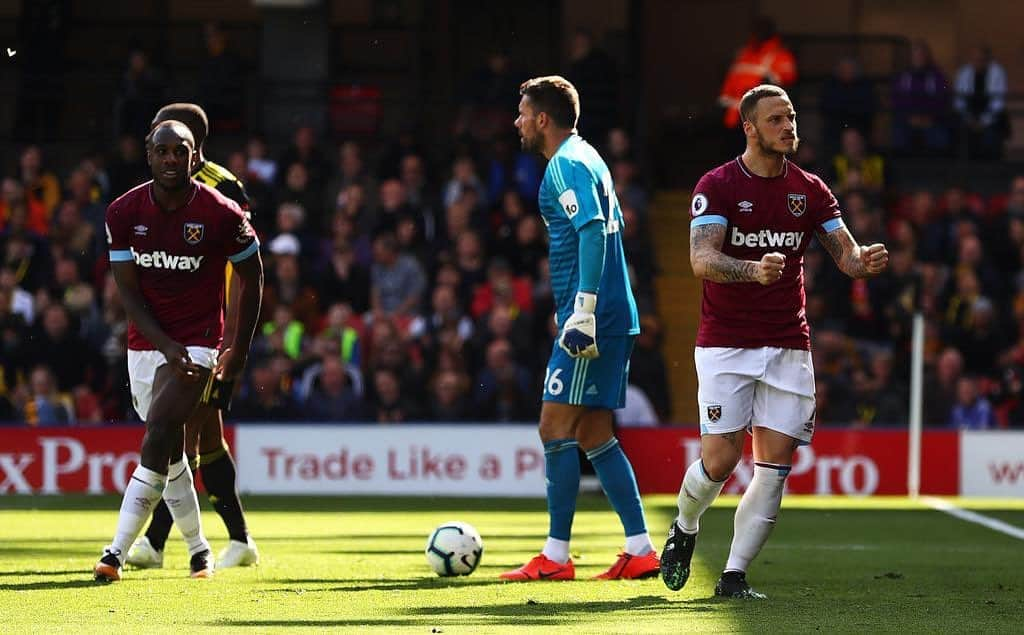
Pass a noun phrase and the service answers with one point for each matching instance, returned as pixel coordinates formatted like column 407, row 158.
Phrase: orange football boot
column 541, row 568
column 630, row 567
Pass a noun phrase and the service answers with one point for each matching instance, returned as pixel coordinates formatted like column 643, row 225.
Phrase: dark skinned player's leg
column 174, row 400
column 160, row 525
column 217, row 468
column 162, row 473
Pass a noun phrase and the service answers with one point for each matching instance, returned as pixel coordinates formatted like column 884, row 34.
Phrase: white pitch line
column 973, row 517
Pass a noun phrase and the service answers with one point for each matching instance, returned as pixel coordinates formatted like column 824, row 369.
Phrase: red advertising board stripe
column 56, row 460
column 855, row 462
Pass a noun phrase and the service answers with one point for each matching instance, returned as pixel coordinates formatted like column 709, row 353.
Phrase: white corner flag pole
column 916, row 396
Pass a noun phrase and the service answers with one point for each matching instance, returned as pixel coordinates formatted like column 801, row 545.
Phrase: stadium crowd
column 400, row 289
column 395, row 291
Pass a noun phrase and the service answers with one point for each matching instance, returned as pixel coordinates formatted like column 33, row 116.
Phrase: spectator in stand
column 389, row 404
column 450, row 400
column 483, row 108
column 305, row 151
column 764, row 59
column 333, row 397
column 638, row 411
column 511, row 169
column 351, row 170
column 75, row 237
column 128, row 167
column 503, row 288
column 346, row 280
column 972, row 410
column 920, row 105
column 40, row 183
column 594, row 74
column 16, row 204
column 221, row 91
column 854, row 168
column 421, row 194
column 878, row 398
column 47, row 407
column 445, row 311
column 619, row 146
column 647, row 366
column 464, row 177
column 627, row 189
column 258, row 161
column 56, row 345
column 264, row 397
column 503, row 387
column 940, row 387
column 847, row 102
column 286, row 286
column 392, row 204
column 93, row 212
column 980, row 104
column 140, row 95
column 18, row 301
column 397, row 281
column 471, row 261
column 299, row 189
column 981, row 339
column 530, row 247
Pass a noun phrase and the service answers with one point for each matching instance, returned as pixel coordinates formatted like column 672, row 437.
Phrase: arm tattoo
column 710, row 263
column 844, row 248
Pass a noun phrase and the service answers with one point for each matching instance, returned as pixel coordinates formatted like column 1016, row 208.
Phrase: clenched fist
column 875, row 258
column 769, row 269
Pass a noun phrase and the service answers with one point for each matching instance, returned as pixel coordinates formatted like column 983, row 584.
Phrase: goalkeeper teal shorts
column 595, row 383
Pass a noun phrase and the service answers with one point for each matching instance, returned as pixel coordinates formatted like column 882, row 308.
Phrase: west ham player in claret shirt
column 170, row 239
column 751, row 221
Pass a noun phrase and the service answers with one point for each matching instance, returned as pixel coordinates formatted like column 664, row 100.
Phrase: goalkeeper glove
column 579, row 335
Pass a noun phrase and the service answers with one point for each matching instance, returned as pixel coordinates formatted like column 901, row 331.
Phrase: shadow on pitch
column 543, row 609
column 371, row 584
column 51, row 585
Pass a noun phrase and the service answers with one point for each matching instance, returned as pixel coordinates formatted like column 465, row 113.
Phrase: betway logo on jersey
column 163, row 260
column 766, row 238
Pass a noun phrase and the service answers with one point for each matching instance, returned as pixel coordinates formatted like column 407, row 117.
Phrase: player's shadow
column 530, row 612
column 374, row 584
column 49, row 585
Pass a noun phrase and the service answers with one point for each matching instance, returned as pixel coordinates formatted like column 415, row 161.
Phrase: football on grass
column 454, row 548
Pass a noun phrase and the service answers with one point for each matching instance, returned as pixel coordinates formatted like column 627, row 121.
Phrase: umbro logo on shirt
column 746, row 206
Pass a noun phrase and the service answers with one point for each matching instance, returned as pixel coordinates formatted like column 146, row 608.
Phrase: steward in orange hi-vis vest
column 764, row 60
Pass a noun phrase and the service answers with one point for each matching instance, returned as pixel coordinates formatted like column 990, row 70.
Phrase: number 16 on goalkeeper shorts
column 595, row 383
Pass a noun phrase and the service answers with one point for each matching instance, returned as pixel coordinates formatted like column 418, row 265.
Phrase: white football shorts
column 765, row 387
column 142, row 367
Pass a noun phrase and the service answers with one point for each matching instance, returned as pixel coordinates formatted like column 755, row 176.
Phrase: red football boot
column 542, row 568
column 629, row 567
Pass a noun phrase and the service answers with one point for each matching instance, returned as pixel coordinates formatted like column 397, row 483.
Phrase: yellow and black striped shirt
column 221, row 179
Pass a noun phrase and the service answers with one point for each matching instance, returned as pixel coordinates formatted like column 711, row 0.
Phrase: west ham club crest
column 714, row 413
column 193, row 233
column 797, row 204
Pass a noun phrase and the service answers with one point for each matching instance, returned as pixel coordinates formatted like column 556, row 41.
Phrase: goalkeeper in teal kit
column 597, row 319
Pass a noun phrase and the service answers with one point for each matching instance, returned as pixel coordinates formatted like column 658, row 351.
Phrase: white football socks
column 696, row 494
column 557, row 550
column 639, row 544
column 140, row 496
column 755, row 515
column 180, row 495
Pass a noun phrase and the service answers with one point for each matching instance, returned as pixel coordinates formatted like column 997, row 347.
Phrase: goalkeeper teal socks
column 619, row 484
column 562, row 470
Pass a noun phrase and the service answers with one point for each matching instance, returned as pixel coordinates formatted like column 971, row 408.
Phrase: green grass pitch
column 333, row 564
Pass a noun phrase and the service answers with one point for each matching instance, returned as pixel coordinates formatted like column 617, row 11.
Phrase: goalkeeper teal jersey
column 577, row 189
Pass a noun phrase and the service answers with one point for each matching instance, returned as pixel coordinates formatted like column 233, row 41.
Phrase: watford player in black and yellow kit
column 204, row 431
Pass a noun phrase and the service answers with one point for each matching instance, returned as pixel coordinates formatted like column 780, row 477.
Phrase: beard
column 768, row 148
column 531, row 144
